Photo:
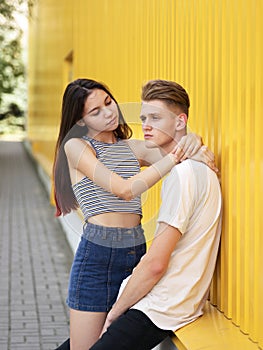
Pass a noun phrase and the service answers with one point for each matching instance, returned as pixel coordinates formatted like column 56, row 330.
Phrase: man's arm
column 148, row 272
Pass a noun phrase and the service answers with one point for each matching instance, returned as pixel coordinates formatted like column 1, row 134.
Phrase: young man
column 170, row 285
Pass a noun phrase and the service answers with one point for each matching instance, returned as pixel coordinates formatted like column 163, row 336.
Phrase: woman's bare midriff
column 126, row 220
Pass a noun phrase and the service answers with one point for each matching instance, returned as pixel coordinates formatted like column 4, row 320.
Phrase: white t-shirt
column 191, row 198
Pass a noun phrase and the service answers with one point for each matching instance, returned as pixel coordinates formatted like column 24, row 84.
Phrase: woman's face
column 100, row 113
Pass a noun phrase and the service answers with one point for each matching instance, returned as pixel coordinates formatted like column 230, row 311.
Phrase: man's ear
column 181, row 121
column 81, row 122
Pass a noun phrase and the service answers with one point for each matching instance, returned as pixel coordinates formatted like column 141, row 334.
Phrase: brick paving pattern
column 35, row 258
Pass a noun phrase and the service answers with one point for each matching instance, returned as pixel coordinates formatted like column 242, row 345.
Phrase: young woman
column 97, row 168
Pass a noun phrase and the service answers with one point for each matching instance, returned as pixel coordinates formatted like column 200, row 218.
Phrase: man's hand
column 111, row 317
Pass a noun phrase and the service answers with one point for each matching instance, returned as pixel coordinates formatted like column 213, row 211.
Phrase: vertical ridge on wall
column 257, row 322
column 226, row 295
column 230, row 125
column 237, row 129
column 249, row 134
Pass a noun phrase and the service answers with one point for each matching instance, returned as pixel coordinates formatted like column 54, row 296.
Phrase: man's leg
column 131, row 331
column 64, row 346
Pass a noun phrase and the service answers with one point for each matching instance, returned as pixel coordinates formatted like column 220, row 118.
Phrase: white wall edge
column 71, row 224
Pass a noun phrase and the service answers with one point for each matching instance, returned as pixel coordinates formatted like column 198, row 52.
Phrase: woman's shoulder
column 75, row 141
column 76, row 145
column 146, row 156
column 133, row 141
column 137, row 146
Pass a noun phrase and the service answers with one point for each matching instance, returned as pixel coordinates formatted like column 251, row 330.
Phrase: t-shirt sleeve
column 178, row 197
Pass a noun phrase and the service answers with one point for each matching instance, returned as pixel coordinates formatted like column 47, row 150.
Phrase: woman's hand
column 187, row 147
column 206, row 156
column 190, row 146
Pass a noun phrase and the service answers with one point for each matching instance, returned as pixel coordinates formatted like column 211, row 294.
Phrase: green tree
column 12, row 69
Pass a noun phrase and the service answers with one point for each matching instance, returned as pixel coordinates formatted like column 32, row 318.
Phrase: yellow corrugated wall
column 215, row 50
column 50, row 38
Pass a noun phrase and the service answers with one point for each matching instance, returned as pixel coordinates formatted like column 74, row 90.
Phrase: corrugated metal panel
column 49, row 44
column 257, row 309
column 213, row 48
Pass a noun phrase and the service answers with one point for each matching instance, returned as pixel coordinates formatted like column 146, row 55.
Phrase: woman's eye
column 108, row 102
column 155, row 117
column 95, row 112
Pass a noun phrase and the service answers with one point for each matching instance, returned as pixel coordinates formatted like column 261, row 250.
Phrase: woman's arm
column 188, row 146
column 83, row 162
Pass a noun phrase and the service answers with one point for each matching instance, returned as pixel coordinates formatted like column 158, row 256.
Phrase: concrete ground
column 35, row 258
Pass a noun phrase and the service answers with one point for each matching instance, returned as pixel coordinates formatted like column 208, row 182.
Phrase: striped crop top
column 93, row 199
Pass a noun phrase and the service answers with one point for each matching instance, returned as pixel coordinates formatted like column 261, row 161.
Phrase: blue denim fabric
column 105, row 256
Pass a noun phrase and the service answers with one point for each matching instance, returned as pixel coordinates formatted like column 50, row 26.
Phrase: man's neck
column 165, row 149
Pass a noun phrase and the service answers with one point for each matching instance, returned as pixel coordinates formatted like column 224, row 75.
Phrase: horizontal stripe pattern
column 93, row 199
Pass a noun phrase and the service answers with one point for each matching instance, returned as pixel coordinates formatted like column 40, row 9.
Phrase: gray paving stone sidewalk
column 34, row 258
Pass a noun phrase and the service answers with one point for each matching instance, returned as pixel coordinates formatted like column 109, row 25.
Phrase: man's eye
column 155, row 117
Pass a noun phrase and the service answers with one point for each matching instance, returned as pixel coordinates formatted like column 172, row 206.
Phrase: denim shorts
column 104, row 258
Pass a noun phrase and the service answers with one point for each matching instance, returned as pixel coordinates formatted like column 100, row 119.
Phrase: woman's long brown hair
column 74, row 99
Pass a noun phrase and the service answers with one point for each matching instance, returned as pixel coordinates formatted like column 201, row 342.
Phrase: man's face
column 158, row 125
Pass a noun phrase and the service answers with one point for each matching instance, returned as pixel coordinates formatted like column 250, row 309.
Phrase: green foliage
column 12, row 68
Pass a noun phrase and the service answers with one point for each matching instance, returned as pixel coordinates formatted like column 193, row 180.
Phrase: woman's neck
column 103, row 137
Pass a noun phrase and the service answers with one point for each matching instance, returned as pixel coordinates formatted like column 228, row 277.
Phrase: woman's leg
column 85, row 328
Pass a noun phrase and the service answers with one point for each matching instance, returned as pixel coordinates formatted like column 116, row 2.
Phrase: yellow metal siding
column 50, row 39
column 214, row 49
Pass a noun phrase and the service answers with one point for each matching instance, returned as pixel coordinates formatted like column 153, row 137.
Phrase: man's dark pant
column 131, row 331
